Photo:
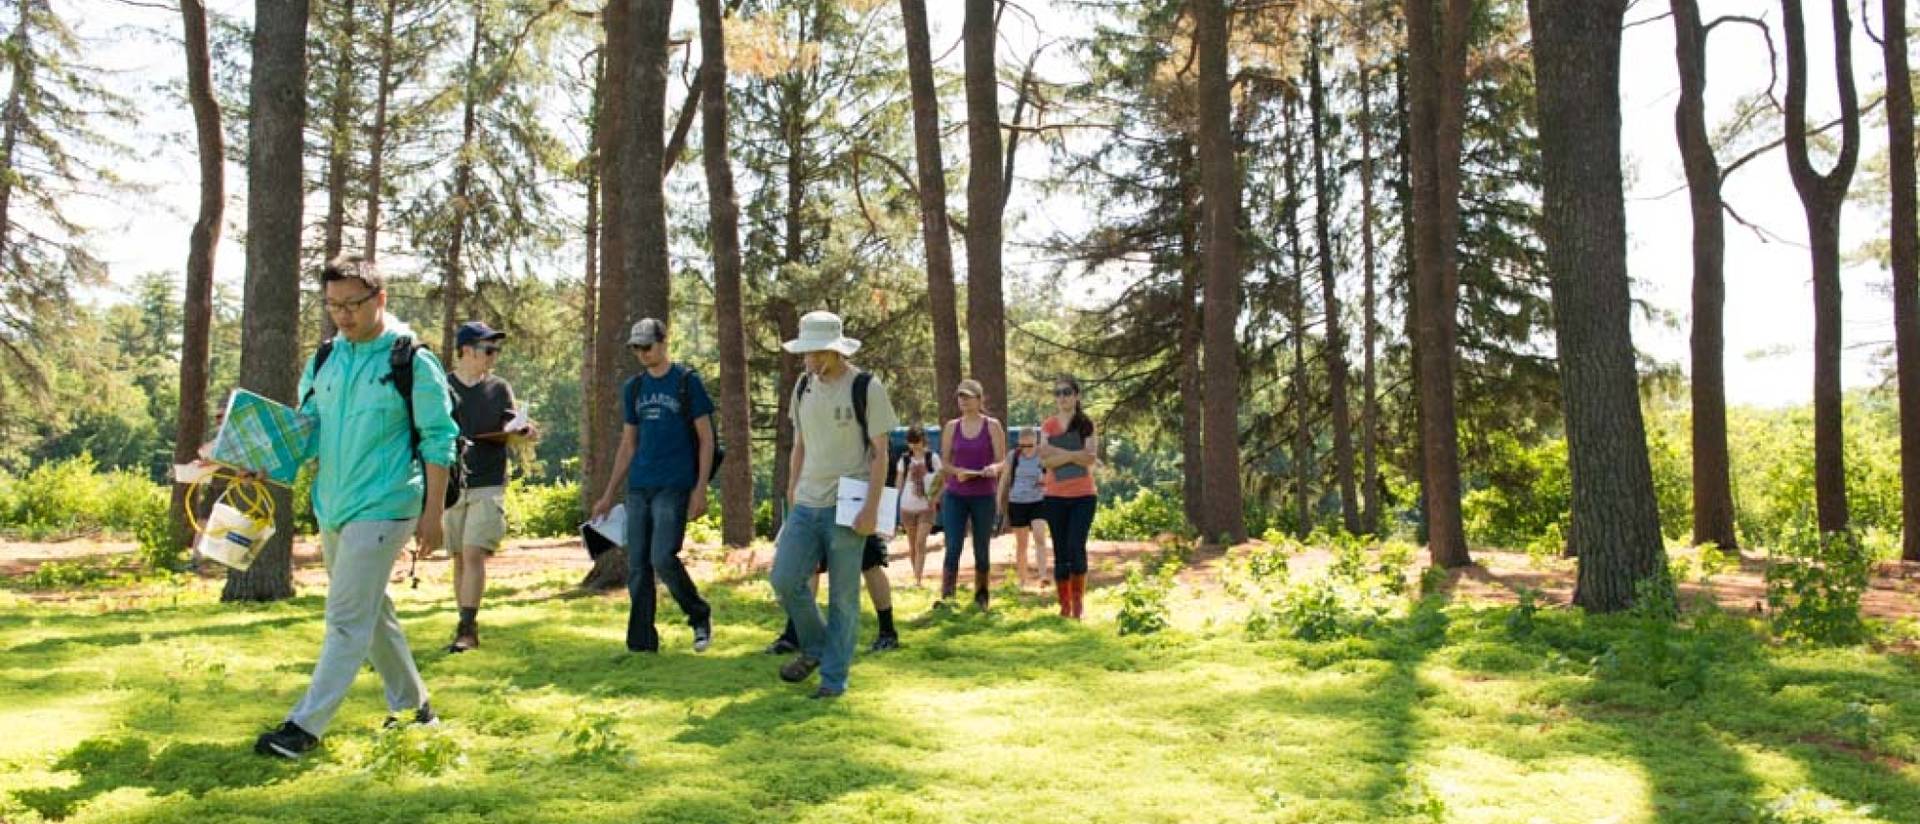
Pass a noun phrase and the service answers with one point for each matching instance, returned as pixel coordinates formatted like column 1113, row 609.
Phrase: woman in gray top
column 1021, row 493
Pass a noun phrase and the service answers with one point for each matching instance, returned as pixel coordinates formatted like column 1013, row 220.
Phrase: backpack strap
column 319, row 359
column 400, row 374
column 861, row 380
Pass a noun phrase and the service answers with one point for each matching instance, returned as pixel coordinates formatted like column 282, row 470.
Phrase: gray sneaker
column 702, row 638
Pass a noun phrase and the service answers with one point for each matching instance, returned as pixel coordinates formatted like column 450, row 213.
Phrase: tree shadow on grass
column 108, row 764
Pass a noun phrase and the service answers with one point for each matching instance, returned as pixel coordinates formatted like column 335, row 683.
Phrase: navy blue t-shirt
column 663, row 454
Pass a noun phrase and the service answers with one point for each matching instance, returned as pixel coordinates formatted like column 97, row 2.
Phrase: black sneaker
column 289, row 742
column 797, row 670
column 781, row 646
column 422, row 717
column 884, row 642
column 826, row 693
column 702, row 638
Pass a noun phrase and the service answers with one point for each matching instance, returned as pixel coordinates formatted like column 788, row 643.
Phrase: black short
column 1022, row 516
column 874, row 554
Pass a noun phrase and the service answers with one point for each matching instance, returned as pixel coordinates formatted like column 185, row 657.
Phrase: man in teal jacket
column 370, row 492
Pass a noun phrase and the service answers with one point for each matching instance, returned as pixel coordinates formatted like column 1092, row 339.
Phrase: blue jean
column 956, row 512
column 656, row 523
column 808, row 535
column 1071, row 520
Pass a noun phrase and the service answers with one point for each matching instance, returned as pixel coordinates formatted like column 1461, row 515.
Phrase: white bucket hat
column 821, row 331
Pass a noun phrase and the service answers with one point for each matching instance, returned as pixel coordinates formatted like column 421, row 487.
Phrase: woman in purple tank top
column 976, row 450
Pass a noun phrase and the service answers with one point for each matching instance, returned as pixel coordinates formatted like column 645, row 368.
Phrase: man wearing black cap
column 476, row 523
column 664, row 460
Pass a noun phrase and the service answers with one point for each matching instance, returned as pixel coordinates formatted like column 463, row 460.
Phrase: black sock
column 467, row 615
column 886, row 621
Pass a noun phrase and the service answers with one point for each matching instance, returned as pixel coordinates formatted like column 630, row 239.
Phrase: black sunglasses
column 489, row 350
column 640, row 347
column 1065, row 392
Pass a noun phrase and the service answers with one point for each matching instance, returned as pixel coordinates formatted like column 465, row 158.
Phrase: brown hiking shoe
column 465, row 638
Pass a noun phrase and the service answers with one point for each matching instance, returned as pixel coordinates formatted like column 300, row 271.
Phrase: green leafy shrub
column 1814, row 585
column 412, row 749
column 1148, row 514
column 550, row 511
column 72, row 497
column 1143, row 597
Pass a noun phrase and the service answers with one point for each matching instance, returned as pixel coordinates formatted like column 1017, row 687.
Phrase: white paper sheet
column 613, row 525
column 853, row 496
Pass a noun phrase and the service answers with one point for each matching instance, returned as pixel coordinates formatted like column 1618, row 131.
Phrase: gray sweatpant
column 361, row 624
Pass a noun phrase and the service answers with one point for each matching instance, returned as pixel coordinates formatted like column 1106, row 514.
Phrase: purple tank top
column 972, row 453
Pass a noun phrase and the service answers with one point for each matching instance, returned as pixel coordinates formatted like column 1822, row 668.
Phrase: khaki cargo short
column 479, row 519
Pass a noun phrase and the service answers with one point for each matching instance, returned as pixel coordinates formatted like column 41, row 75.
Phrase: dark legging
column 1070, row 519
column 955, row 513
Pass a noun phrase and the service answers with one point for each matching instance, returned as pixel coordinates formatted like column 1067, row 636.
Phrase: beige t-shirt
column 831, row 434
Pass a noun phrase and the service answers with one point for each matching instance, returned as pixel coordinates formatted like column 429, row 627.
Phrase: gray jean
column 361, row 624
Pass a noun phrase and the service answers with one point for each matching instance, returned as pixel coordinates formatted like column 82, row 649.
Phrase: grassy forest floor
column 138, row 701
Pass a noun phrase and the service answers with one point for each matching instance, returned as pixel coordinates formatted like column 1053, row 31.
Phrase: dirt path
column 1497, row 576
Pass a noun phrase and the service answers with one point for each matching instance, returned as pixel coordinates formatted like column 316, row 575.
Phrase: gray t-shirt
column 824, row 419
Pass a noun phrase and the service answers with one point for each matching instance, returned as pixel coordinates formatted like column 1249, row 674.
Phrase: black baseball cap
column 475, row 331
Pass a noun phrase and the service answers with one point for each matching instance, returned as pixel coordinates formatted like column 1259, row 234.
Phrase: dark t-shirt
column 663, row 453
column 485, row 408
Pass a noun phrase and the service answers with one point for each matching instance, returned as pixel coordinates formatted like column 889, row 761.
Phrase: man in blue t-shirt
column 665, row 457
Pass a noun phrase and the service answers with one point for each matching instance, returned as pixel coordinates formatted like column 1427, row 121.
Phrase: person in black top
column 476, row 524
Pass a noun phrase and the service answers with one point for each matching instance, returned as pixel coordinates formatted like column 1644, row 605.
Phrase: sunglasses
column 489, row 350
column 1064, row 392
column 640, row 347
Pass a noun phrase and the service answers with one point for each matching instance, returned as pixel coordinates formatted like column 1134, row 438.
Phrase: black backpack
column 400, row 377
column 693, row 435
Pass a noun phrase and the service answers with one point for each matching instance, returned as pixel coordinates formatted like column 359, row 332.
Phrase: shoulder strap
column 861, row 380
column 686, row 403
column 319, row 359
column 400, row 374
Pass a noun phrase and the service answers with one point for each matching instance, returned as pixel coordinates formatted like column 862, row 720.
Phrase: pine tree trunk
column 1220, row 181
column 1192, row 396
column 1330, row 299
column 1616, row 522
column 786, row 318
column 377, row 135
column 453, row 284
column 650, row 282
column 270, row 341
column 1906, row 267
column 723, row 211
column 1436, row 69
column 593, row 455
column 1822, row 197
column 986, row 308
column 1302, row 459
column 931, row 171
column 202, row 244
column 1370, row 400
column 1712, row 472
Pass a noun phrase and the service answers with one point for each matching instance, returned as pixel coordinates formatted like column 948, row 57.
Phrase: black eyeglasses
column 350, row 305
column 1065, row 392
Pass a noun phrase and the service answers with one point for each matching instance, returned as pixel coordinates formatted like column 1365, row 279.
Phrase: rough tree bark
column 270, row 341
column 1712, row 473
column 1905, row 253
column 1616, row 523
column 1370, row 400
column 1220, row 182
column 986, row 308
column 1436, row 81
column 723, row 211
column 453, row 282
column 1822, row 196
column 202, row 245
column 931, row 170
column 377, row 135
